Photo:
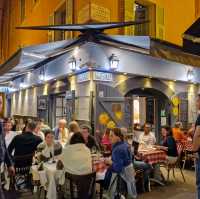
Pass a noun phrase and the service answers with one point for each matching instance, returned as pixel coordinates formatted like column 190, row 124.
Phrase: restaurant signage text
column 101, row 76
column 83, row 77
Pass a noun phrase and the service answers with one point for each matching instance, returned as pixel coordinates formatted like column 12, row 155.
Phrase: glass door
column 60, row 109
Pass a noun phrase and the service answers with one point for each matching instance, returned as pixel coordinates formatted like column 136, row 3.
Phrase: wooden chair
column 139, row 177
column 82, row 186
column 188, row 156
column 177, row 164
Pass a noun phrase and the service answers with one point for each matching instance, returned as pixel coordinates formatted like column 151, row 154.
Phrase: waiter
column 4, row 156
column 196, row 147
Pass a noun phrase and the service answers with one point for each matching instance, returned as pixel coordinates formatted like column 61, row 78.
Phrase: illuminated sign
column 101, row 76
column 83, row 77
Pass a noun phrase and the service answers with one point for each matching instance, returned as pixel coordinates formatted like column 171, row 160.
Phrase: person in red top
column 105, row 142
column 177, row 132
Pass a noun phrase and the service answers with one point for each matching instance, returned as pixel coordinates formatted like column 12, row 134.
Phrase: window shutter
column 160, row 29
column 129, row 16
column 51, row 33
column 69, row 17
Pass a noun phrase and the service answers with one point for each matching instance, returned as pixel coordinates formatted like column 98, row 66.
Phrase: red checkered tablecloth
column 153, row 156
column 100, row 167
column 187, row 145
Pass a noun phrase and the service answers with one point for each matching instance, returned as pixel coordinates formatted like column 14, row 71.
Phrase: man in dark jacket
column 4, row 156
column 25, row 143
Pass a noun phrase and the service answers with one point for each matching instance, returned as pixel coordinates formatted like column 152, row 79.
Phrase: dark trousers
column 1, row 191
column 198, row 177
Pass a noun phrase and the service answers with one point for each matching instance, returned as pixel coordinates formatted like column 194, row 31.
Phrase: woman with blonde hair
column 73, row 128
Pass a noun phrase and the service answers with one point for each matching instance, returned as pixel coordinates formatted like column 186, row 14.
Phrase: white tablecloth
column 49, row 178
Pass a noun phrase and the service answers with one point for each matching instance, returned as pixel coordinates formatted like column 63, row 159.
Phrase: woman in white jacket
column 76, row 157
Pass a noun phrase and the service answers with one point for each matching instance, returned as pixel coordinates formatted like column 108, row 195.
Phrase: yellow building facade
column 168, row 19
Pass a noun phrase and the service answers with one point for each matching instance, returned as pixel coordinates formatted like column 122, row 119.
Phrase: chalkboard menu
column 128, row 112
column 183, row 109
column 150, row 106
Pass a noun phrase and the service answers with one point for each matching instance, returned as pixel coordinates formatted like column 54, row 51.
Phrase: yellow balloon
column 103, row 118
column 119, row 115
column 175, row 100
column 175, row 111
column 111, row 125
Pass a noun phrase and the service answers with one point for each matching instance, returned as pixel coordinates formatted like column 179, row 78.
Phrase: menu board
column 150, row 106
column 183, row 108
column 128, row 112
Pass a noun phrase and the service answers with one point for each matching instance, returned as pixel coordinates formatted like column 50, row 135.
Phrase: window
column 60, row 19
column 160, row 29
column 141, row 13
column 51, row 33
column 35, row 2
column 145, row 12
column 23, row 9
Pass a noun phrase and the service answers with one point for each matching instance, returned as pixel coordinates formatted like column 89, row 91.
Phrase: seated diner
column 169, row 144
column 147, row 139
column 76, row 156
column 49, row 147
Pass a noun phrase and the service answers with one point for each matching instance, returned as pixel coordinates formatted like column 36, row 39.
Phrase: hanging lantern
column 72, row 64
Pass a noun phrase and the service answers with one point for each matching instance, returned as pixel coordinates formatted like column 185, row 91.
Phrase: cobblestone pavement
column 176, row 189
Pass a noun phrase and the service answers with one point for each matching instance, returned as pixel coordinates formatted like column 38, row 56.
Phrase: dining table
column 187, row 145
column 49, row 177
column 153, row 155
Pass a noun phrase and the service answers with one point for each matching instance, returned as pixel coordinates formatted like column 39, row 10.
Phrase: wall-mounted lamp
column 190, row 75
column 42, row 74
column 114, row 62
column 72, row 63
column 11, row 84
column 76, row 51
column 22, row 84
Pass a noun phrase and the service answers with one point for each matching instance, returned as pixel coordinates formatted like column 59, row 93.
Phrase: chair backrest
column 84, row 184
column 23, row 163
column 179, row 148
